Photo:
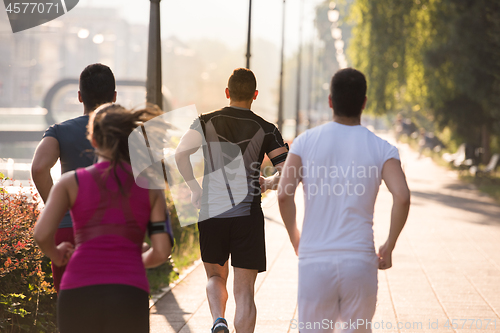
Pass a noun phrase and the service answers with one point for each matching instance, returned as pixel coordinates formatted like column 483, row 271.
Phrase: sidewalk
column 446, row 265
column 185, row 309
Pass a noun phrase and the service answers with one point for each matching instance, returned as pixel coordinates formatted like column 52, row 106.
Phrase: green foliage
column 468, row 57
column 186, row 248
column 27, row 298
column 11, row 305
column 161, row 276
column 489, row 185
column 387, row 42
column 438, row 58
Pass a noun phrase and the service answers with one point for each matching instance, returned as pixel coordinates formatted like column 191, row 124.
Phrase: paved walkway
column 446, row 265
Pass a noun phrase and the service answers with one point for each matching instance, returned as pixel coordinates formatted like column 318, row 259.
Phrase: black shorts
column 241, row 237
column 104, row 308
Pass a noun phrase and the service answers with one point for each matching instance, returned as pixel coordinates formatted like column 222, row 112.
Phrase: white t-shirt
column 341, row 174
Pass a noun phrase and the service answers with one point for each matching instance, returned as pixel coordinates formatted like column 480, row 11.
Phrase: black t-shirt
column 228, row 133
column 75, row 149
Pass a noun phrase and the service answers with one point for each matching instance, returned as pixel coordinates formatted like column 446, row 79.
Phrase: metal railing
column 9, row 167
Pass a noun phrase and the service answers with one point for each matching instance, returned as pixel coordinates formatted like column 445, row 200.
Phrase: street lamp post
column 249, row 33
column 154, row 94
column 153, row 81
column 311, row 89
column 299, row 70
column 280, row 105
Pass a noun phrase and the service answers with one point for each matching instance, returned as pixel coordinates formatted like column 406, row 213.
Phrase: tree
column 437, row 57
column 468, row 56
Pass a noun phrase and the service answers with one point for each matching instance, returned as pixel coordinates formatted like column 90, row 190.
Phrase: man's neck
column 241, row 104
column 348, row 121
column 87, row 111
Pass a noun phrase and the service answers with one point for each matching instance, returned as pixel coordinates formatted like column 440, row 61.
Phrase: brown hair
column 242, row 85
column 110, row 126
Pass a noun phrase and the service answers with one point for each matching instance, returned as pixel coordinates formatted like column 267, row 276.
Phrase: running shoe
column 220, row 326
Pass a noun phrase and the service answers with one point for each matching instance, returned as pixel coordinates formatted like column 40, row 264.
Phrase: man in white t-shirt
column 341, row 165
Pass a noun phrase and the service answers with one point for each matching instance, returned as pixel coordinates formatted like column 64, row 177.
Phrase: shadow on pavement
column 169, row 308
column 470, row 204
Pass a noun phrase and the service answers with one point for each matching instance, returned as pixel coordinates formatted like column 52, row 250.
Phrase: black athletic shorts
column 241, row 237
column 104, row 308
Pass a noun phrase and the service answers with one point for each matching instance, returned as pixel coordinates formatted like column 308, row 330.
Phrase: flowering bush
column 27, row 298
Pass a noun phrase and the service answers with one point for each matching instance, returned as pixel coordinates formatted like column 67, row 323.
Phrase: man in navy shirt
column 68, row 142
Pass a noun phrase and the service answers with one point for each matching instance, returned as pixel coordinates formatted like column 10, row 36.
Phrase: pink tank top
column 109, row 229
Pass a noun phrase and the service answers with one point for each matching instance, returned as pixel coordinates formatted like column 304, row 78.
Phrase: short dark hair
column 348, row 91
column 242, row 85
column 97, row 85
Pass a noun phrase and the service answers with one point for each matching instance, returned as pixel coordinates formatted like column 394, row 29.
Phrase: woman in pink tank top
column 104, row 287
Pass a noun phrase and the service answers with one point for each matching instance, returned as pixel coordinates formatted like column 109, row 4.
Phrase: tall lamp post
column 311, row 89
column 249, row 33
column 153, row 81
column 280, row 105
column 299, row 72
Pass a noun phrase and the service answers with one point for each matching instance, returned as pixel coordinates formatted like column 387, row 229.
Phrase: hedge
column 27, row 296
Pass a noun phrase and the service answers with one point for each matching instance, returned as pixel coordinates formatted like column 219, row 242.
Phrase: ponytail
column 110, row 126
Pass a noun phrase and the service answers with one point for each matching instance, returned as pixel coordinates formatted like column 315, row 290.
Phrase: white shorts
column 337, row 293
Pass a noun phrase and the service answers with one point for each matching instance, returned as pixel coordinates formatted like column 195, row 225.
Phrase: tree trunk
column 485, row 143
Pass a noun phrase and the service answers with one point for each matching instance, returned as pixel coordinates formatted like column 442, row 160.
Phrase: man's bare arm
column 190, row 143
column 395, row 179
column 46, row 156
column 57, row 205
column 271, row 183
column 288, row 183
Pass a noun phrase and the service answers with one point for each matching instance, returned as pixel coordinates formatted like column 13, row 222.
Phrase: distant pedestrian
column 67, row 141
column 398, row 126
column 341, row 165
column 238, row 231
column 104, row 288
column 422, row 142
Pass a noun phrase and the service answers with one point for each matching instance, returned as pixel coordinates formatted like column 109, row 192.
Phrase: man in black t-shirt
column 68, row 142
column 231, row 222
